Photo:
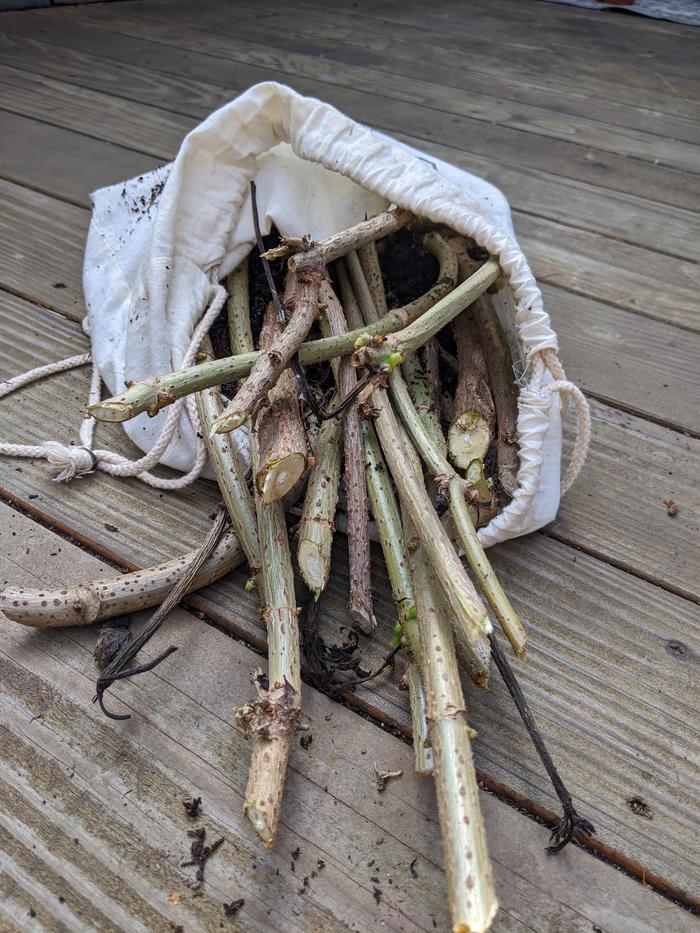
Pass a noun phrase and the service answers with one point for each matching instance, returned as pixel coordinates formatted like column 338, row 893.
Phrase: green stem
column 469, row 616
column 478, row 561
column 391, row 536
column 421, row 397
column 316, row 525
column 157, row 392
column 420, row 331
column 230, row 475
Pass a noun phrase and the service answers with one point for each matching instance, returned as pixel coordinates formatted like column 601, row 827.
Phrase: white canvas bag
column 159, row 244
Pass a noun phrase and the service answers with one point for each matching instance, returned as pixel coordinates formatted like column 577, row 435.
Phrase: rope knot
column 74, row 461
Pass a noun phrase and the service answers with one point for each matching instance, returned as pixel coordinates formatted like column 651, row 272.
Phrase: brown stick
column 369, row 260
column 301, row 296
column 351, row 308
column 504, row 389
column 320, row 254
column 280, row 429
column 470, row 433
column 354, row 472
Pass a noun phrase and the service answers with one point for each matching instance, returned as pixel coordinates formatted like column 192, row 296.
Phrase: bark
column 470, row 886
column 301, row 298
column 230, row 474
column 97, row 600
column 316, row 525
column 157, row 392
column 320, row 254
column 280, row 430
column 357, row 507
column 471, row 432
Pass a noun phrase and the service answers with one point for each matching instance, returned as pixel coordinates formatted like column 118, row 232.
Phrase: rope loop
column 565, row 387
column 78, row 460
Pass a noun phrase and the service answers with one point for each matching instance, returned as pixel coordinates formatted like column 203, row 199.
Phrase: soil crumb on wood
column 192, row 806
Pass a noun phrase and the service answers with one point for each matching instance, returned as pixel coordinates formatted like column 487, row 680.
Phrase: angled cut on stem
column 469, row 619
column 271, row 720
column 472, row 430
column 281, row 437
column 230, row 472
column 504, row 389
column 316, row 526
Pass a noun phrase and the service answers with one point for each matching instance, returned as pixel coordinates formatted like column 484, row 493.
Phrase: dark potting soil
column 408, row 269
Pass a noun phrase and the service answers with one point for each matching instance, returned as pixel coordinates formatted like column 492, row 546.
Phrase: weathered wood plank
column 488, row 96
column 208, row 57
column 149, row 130
column 85, row 163
column 631, row 219
column 597, row 652
column 41, row 246
column 353, row 39
column 625, row 276
column 618, row 508
column 518, row 39
column 644, row 366
column 67, row 773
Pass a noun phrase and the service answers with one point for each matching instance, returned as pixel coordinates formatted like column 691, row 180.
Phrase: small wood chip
column 383, row 776
column 671, row 507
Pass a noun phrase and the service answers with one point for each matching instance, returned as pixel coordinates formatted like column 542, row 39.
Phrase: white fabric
column 157, row 244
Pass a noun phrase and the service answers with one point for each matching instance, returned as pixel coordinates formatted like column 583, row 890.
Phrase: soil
column 408, row 269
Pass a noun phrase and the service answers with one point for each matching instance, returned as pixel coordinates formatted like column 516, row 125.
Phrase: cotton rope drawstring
column 548, row 359
column 78, row 460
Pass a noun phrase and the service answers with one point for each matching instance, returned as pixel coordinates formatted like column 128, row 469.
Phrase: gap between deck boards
column 519, row 802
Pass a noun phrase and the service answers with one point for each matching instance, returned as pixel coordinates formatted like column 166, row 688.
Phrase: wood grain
column 68, row 774
column 620, row 358
column 85, row 163
column 41, row 246
column 494, row 67
column 554, row 197
column 599, row 636
column 618, row 509
column 208, row 57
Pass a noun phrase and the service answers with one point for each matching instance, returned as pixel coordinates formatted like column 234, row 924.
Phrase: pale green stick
column 470, row 886
column 470, row 621
column 391, row 536
column 157, row 392
column 230, row 474
column 440, row 468
column 316, row 525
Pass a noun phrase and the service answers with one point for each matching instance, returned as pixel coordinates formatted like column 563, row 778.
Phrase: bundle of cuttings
column 378, row 384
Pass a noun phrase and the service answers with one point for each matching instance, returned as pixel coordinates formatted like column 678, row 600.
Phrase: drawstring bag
column 159, row 244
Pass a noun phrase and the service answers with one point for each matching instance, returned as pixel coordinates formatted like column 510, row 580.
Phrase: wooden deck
column 590, row 125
